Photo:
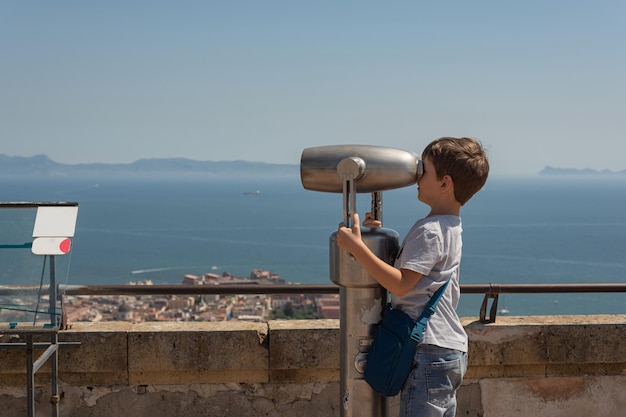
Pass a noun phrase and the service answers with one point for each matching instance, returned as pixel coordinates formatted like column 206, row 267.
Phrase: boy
column 454, row 170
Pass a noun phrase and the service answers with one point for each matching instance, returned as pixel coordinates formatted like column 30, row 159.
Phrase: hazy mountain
column 548, row 170
column 41, row 165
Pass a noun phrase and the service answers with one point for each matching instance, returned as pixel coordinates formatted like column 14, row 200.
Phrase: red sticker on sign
column 64, row 246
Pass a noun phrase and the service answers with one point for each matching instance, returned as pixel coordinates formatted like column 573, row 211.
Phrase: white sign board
column 55, row 221
column 54, row 226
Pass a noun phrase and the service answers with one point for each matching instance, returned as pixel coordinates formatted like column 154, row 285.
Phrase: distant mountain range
column 41, row 165
column 573, row 171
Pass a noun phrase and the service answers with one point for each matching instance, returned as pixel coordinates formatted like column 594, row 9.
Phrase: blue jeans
column 430, row 390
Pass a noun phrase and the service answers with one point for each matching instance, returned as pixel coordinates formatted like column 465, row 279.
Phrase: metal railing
column 491, row 291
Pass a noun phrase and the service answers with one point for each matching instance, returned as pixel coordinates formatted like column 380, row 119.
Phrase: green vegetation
column 291, row 312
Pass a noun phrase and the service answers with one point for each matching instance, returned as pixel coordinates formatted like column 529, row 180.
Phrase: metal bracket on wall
column 494, row 291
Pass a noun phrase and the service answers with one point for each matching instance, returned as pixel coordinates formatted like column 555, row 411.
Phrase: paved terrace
column 547, row 366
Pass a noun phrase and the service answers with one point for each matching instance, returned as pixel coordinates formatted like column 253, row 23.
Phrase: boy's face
column 428, row 185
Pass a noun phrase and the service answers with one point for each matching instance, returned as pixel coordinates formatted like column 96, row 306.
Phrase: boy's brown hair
column 464, row 160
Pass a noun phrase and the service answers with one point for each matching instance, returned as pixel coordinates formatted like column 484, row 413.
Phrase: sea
column 537, row 229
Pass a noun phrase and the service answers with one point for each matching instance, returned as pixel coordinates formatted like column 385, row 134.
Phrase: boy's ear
column 447, row 183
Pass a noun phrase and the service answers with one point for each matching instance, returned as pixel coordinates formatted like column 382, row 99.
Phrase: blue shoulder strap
column 429, row 310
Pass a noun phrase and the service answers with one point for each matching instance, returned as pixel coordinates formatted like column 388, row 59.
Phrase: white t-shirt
column 433, row 248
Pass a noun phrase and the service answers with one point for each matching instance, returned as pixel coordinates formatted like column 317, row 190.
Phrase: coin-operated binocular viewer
column 352, row 169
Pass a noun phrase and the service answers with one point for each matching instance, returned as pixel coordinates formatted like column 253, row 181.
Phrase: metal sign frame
column 55, row 222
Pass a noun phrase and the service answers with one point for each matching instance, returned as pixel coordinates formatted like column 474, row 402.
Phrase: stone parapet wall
column 548, row 346
column 546, row 366
column 520, row 366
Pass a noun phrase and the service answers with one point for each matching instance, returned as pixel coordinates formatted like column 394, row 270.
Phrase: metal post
column 30, row 376
column 52, row 302
column 54, row 360
column 343, row 169
column 377, row 206
column 362, row 300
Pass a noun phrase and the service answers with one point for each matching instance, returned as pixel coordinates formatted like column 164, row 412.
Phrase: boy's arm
column 397, row 281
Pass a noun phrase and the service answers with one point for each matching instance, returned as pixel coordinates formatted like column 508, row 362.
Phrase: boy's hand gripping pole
column 350, row 170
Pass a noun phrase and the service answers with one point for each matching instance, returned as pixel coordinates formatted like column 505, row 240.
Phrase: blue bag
column 390, row 358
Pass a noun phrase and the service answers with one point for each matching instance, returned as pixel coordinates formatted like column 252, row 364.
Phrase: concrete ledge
column 539, row 366
column 304, row 350
column 101, row 358
column 544, row 346
column 191, row 353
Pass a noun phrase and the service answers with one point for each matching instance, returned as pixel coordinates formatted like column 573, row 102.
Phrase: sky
column 538, row 82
